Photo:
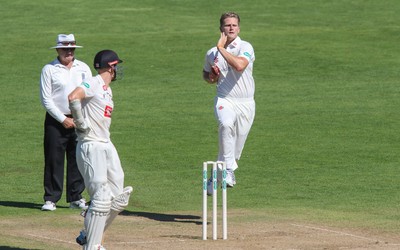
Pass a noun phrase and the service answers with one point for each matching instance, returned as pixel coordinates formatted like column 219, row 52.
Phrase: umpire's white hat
column 65, row 41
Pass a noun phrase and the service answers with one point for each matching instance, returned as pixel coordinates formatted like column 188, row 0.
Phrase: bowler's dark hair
column 226, row 15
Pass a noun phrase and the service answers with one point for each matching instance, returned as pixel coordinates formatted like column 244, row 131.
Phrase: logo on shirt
column 86, row 84
column 247, row 54
column 216, row 58
column 107, row 111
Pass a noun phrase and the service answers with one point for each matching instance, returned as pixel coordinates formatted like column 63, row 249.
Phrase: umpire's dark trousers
column 60, row 144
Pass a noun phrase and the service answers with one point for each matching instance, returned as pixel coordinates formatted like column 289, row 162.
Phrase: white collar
column 235, row 43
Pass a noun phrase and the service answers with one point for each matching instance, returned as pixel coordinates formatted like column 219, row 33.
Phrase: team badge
column 86, row 84
column 107, row 111
column 216, row 59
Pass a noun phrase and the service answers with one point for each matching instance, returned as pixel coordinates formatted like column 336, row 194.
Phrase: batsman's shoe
column 79, row 204
column 81, row 239
column 49, row 206
column 230, row 178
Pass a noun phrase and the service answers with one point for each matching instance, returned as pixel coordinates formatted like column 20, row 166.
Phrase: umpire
column 58, row 79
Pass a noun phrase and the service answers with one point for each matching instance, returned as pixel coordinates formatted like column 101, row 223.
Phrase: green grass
column 324, row 145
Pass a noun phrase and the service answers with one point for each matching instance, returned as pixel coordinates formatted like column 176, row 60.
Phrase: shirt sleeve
column 247, row 51
column 209, row 59
column 89, row 87
column 88, row 72
column 46, row 95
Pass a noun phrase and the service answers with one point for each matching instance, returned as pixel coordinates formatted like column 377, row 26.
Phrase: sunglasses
column 73, row 43
column 67, row 49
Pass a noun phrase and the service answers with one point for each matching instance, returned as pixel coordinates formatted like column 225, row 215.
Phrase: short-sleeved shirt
column 231, row 83
column 97, row 107
column 57, row 82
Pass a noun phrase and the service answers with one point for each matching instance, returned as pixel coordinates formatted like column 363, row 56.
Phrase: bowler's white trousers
column 235, row 117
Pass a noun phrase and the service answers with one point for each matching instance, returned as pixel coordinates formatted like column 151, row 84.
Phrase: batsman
column 91, row 105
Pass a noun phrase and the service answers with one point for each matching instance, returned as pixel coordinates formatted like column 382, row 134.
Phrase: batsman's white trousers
column 235, row 118
column 99, row 164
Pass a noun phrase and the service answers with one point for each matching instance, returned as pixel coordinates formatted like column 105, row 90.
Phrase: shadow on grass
column 14, row 248
column 153, row 216
column 19, row 204
column 165, row 217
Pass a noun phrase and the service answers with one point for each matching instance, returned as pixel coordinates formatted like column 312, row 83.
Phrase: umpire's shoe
column 49, row 206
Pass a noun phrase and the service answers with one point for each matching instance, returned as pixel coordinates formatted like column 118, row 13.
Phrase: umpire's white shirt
column 231, row 83
column 57, row 82
column 97, row 107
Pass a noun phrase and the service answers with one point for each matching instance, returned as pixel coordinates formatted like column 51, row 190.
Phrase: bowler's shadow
column 165, row 217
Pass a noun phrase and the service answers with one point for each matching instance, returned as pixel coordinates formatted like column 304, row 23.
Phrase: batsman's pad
column 97, row 207
column 95, row 229
column 120, row 202
column 100, row 206
column 100, row 195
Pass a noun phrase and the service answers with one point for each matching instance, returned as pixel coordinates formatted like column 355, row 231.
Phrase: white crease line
column 332, row 231
column 51, row 239
column 147, row 242
column 342, row 233
column 119, row 243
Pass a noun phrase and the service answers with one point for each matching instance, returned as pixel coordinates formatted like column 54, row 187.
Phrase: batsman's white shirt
column 97, row 107
column 57, row 82
column 97, row 158
column 231, row 83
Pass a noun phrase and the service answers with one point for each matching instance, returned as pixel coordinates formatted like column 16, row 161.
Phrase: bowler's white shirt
column 57, row 82
column 231, row 83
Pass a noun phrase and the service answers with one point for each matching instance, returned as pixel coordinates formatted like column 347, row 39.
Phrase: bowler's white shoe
column 230, row 181
column 79, row 204
column 230, row 178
